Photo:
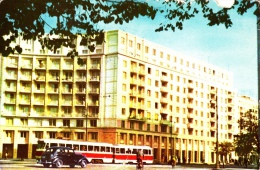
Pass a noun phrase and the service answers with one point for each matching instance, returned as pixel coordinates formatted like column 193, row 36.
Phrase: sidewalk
column 18, row 161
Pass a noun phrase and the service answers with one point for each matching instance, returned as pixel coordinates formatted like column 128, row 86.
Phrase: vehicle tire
column 72, row 166
column 58, row 163
column 83, row 164
column 46, row 165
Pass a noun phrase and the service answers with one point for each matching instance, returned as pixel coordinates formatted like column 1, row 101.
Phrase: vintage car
column 59, row 156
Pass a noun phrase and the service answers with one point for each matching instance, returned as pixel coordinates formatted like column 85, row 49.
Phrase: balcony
column 54, row 67
column 94, row 79
column 39, row 102
column 94, row 103
column 9, row 101
column 40, row 79
column 164, row 78
column 80, row 103
column 133, row 81
column 137, row 118
column 164, row 89
column 66, row 103
column 12, row 65
column 190, row 126
column 25, row 78
column 26, row 67
column 191, row 105
column 53, row 91
column 165, row 122
column 10, row 89
column 93, row 116
column 95, row 67
column 164, row 100
column 53, row 103
column 41, row 90
column 81, row 79
column 94, row 91
column 24, row 102
column 165, row 111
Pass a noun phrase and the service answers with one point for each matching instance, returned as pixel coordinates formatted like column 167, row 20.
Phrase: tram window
column 107, row 149
column 128, row 151
column 76, row 147
column 150, row 152
column 122, row 150
column 134, row 151
column 62, row 144
column 69, row 145
column 90, row 148
column 117, row 150
column 102, row 148
column 83, row 147
column 96, row 148
column 145, row 151
column 54, row 144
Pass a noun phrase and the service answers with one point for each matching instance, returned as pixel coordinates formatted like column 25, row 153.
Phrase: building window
column 93, row 123
column 52, row 135
column 123, row 111
column 79, row 123
column 125, row 63
column 23, row 134
column 66, row 134
column 130, row 43
column 148, row 127
column 132, row 125
column 24, row 122
column 8, row 134
column 146, row 49
column 52, row 122
column 38, row 134
column 154, row 52
column 66, row 122
column 156, row 128
column 140, row 126
column 94, row 135
column 123, row 124
column 9, row 121
column 138, row 46
column 163, row 128
column 80, row 135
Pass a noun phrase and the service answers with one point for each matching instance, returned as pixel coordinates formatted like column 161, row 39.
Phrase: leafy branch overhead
column 56, row 23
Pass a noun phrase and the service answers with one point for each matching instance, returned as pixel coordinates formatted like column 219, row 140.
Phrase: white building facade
column 128, row 91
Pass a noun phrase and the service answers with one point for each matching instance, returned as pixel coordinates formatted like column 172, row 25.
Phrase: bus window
column 40, row 145
column 96, row 149
column 62, row 144
column 54, row 144
column 102, row 148
column 107, row 149
column 134, row 151
column 122, row 150
column 83, row 147
column 145, row 151
column 90, row 148
column 76, row 147
column 128, row 151
column 69, row 145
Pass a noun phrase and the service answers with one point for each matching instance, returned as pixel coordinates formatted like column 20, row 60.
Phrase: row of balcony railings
column 51, row 102
column 51, row 90
column 43, row 66
column 51, row 114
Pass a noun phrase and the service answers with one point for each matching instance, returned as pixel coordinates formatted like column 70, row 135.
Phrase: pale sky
column 234, row 49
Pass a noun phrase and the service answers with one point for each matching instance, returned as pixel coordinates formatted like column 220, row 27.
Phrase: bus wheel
column 83, row 163
column 46, row 165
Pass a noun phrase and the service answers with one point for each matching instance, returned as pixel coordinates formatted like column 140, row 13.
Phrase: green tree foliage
column 247, row 142
column 35, row 19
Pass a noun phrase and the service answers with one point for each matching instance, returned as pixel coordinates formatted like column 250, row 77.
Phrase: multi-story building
column 128, row 91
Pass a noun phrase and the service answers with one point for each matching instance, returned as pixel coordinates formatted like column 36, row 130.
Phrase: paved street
column 31, row 165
